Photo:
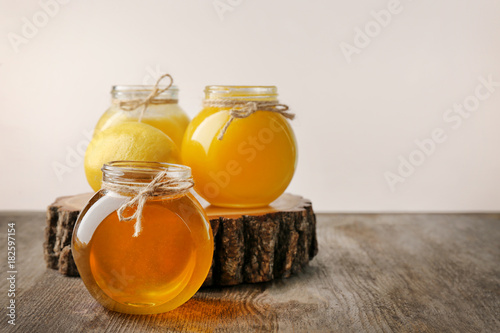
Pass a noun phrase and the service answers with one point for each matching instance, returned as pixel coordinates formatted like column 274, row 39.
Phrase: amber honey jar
column 143, row 244
column 241, row 146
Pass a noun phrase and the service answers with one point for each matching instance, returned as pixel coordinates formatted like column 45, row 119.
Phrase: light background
column 353, row 119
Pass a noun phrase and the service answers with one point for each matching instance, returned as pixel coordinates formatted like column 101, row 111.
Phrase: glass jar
column 157, row 268
column 254, row 161
column 162, row 112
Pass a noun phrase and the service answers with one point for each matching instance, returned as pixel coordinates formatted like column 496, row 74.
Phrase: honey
column 156, row 270
column 163, row 112
column 253, row 163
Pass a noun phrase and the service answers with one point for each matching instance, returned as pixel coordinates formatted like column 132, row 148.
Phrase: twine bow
column 158, row 186
column 243, row 109
column 132, row 104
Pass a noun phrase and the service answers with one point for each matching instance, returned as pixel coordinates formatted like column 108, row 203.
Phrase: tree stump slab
column 250, row 245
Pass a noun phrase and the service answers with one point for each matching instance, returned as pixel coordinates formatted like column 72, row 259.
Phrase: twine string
column 243, row 109
column 157, row 187
column 133, row 104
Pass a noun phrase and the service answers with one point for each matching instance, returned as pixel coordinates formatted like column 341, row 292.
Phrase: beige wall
column 361, row 101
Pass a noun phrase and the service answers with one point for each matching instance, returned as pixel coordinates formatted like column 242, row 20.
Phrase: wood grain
column 373, row 273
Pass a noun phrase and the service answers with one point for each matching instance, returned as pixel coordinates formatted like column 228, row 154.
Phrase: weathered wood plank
column 373, row 273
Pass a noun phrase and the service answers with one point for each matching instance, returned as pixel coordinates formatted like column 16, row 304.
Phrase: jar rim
column 140, row 88
column 241, row 92
column 121, row 92
column 142, row 172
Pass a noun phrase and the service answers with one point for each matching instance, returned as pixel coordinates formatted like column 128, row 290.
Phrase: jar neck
column 142, row 91
column 129, row 177
column 243, row 93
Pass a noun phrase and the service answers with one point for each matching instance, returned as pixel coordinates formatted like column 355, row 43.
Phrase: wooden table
column 373, row 273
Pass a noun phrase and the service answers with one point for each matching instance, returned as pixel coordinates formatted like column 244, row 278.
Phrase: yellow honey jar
column 241, row 147
column 143, row 244
column 162, row 111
